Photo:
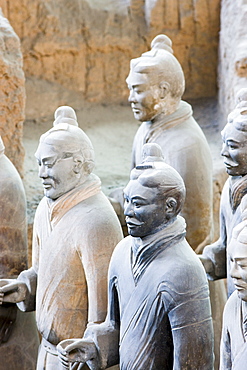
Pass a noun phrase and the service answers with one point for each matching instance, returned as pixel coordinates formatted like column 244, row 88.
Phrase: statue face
column 57, row 174
column 234, row 151
column 238, row 267
column 144, row 209
column 144, row 96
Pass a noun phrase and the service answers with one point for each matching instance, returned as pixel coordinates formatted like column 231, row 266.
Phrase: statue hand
column 207, row 264
column 76, row 350
column 12, row 291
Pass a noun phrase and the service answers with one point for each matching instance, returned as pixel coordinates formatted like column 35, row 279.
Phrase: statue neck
column 167, row 111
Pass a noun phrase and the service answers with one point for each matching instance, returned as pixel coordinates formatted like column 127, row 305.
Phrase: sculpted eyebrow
column 232, row 140
column 48, row 159
column 137, row 197
column 135, row 85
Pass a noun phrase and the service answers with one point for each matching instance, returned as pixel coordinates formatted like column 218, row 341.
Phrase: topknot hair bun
column 240, row 111
column 152, row 152
column 162, row 42
column 65, row 114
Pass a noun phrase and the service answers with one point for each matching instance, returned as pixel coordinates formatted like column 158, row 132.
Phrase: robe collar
column 183, row 113
column 144, row 250
column 63, row 204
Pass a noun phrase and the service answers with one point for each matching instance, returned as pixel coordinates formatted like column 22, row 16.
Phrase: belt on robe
column 49, row 347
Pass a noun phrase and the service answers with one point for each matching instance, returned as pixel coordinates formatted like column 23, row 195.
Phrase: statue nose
column 224, row 151
column 234, row 271
column 42, row 171
column 132, row 98
column 128, row 210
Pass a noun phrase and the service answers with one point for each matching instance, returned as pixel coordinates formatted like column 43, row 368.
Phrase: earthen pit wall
column 86, row 46
column 232, row 69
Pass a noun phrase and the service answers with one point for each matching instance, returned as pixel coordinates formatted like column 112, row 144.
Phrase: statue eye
column 242, row 265
column 49, row 165
column 137, row 204
column 232, row 145
column 139, row 89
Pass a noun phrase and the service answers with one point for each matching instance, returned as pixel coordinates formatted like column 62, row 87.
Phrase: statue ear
column 171, row 206
column 78, row 162
column 164, row 89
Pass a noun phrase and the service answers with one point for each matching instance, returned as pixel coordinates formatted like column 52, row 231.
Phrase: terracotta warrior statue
column 159, row 313
column 18, row 334
column 75, row 231
column 156, row 83
column 234, row 333
column 234, row 135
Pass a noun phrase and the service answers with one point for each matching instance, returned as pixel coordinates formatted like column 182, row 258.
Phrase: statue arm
column 95, row 253
column 29, row 278
column 231, row 331
column 213, row 257
column 106, row 335
column 22, row 290
column 77, row 351
column 99, row 346
column 192, row 332
column 225, row 350
column 106, row 339
column 95, row 267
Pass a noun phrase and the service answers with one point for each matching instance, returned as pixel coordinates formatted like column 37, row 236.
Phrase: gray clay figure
column 159, row 314
column 234, row 333
column 234, row 135
column 156, row 83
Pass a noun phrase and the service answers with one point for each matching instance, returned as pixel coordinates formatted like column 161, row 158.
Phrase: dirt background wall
column 232, row 53
column 85, row 46
column 12, row 94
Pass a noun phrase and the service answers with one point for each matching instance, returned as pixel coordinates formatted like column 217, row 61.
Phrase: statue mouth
column 241, row 287
column 230, row 165
column 47, row 185
column 135, row 109
column 133, row 224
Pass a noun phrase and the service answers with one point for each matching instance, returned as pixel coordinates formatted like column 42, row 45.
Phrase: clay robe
column 185, row 148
